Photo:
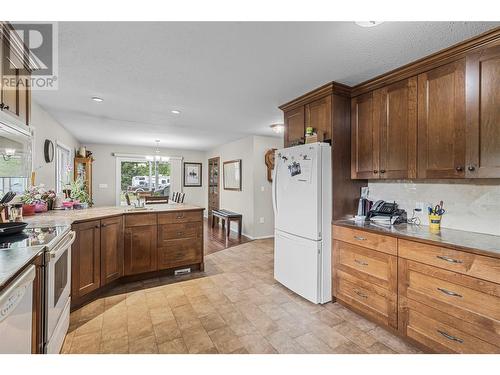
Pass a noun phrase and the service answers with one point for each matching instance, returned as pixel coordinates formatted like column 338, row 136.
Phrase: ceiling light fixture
column 277, row 128
column 175, row 111
column 368, row 23
column 97, row 99
column 157, row 156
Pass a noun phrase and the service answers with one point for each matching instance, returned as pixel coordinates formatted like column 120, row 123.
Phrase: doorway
column 213, row 186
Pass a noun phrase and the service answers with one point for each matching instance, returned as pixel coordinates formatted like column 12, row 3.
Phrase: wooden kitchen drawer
column 179, row 217
column 466, row 298
column 366, row 264
column 369, row 299
column 137, row 220
column 179, row 230
column 443, row 333
column 479, row 266
column 174, row 253
column 385, row 244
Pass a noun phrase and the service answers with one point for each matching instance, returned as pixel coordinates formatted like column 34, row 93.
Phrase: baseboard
column 263, row 237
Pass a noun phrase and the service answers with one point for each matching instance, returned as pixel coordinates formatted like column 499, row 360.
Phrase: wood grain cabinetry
column 441, row 122
column 442, row 299
column 111, row 249
column 318, row 115
column 140, row 250
column 85, row 259
column 294, row 126
column 483, row 113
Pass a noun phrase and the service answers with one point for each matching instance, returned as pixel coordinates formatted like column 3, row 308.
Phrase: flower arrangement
column 39, row 197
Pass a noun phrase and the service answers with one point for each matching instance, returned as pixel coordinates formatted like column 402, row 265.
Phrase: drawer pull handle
column 449, row 292
column 450, row 337
column 447, row 259
column 180, row 233
column 360, row 262
column 362, row 295
column 359, row 238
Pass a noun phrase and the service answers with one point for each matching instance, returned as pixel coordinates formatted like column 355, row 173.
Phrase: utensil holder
column 435, row 222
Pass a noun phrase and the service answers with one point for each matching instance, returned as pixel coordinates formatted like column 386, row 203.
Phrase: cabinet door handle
column 180, row 234
column 375, row 171
column 97, row 226
column 450, row 337
column 360, row 262
column 382, row 171
column 449, row 292
column 459, row 168
column 359, row 238
column 471, row 168
column 362, row 295
column 448, row 259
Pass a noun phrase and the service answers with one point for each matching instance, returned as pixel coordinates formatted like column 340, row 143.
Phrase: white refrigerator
column 302, row 202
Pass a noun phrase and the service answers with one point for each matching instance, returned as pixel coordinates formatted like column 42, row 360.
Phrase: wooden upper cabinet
column 483, row 113
column 441, row 122
column 111, row 249
column 140, row 252
column 319, row 116
column 396, row 107
column 85, row 258
column 365, row 136
column 294, row 125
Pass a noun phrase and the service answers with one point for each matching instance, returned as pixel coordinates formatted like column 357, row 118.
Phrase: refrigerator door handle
column 274, row 192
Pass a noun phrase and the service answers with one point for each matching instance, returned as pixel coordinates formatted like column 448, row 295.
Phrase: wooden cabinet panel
column 441, row 122
column 85, row 258
column 176, row 231
column 372, row 266
column 483, row 113
column 179, row 217
column 469, row 299
column 365, row 136
column 180, row 252
column 137, row 220
column 111, row 249
column 385, row 244
column 294, row 125
column 140, row 251
column 479, row 266
column 398, row 129
column 319, row 117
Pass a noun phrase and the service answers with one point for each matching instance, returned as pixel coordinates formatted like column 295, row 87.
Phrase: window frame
column 58, row 177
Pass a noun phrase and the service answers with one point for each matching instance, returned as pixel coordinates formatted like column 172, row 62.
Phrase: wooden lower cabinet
column 140, row 252
column 86, row 259
column 111, row 249
column 442, row 299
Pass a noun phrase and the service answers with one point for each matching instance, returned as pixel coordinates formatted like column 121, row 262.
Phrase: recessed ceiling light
column 97, row 99
column 277, row 128
column 175, row 111
column 368, row 23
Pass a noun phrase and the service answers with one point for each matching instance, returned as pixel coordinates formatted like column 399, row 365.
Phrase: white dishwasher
column 16, row 314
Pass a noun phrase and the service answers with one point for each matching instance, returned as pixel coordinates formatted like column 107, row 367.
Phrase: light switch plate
column 103, row 186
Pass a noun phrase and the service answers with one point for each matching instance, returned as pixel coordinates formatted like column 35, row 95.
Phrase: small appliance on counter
column 386, row 213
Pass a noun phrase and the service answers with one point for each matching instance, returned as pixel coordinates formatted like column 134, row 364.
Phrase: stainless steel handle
column 362, row 295
column 359, row 238
column 64, row 245
column 361, row 262
column 450, row 337
column 449, row 292
column 448, row 259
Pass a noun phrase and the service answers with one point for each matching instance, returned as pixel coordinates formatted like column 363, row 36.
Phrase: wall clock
column 48, row 151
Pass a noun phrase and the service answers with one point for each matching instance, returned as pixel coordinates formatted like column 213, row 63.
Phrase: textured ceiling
column 227, row 79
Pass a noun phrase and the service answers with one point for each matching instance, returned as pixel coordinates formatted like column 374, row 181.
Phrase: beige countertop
column 68, row 217
column 479, row 243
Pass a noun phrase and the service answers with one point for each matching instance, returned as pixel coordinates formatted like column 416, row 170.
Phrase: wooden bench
column 228, row 216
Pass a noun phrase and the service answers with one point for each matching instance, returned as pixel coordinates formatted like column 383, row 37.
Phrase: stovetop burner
column 32, row 237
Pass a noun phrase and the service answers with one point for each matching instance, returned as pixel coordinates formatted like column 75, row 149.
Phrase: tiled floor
column 236, row 308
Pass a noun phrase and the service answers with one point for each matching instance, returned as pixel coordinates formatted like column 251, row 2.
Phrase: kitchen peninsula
column 116, row 244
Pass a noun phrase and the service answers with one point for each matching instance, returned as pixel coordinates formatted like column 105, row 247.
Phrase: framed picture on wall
column 232, row 175
column 192, row 174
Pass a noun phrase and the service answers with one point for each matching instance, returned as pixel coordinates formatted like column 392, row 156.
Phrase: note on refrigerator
column 306, row 170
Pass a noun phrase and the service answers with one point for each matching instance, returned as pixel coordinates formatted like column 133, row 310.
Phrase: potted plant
column 34, row 199
column 79, row 195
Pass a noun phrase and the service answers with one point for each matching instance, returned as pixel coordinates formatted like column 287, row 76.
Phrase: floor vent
column 182, row 271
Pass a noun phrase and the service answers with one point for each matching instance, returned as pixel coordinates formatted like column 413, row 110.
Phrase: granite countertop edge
column 480, row 243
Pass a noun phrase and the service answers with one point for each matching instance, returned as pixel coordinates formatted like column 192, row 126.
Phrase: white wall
column 46, row 127
column 471, row 205
column 105, row 171
column 251, row 201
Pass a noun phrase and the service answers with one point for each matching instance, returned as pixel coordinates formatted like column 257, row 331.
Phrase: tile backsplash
column 470, row 205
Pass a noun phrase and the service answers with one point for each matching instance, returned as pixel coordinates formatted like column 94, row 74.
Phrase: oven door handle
column 67, row 243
